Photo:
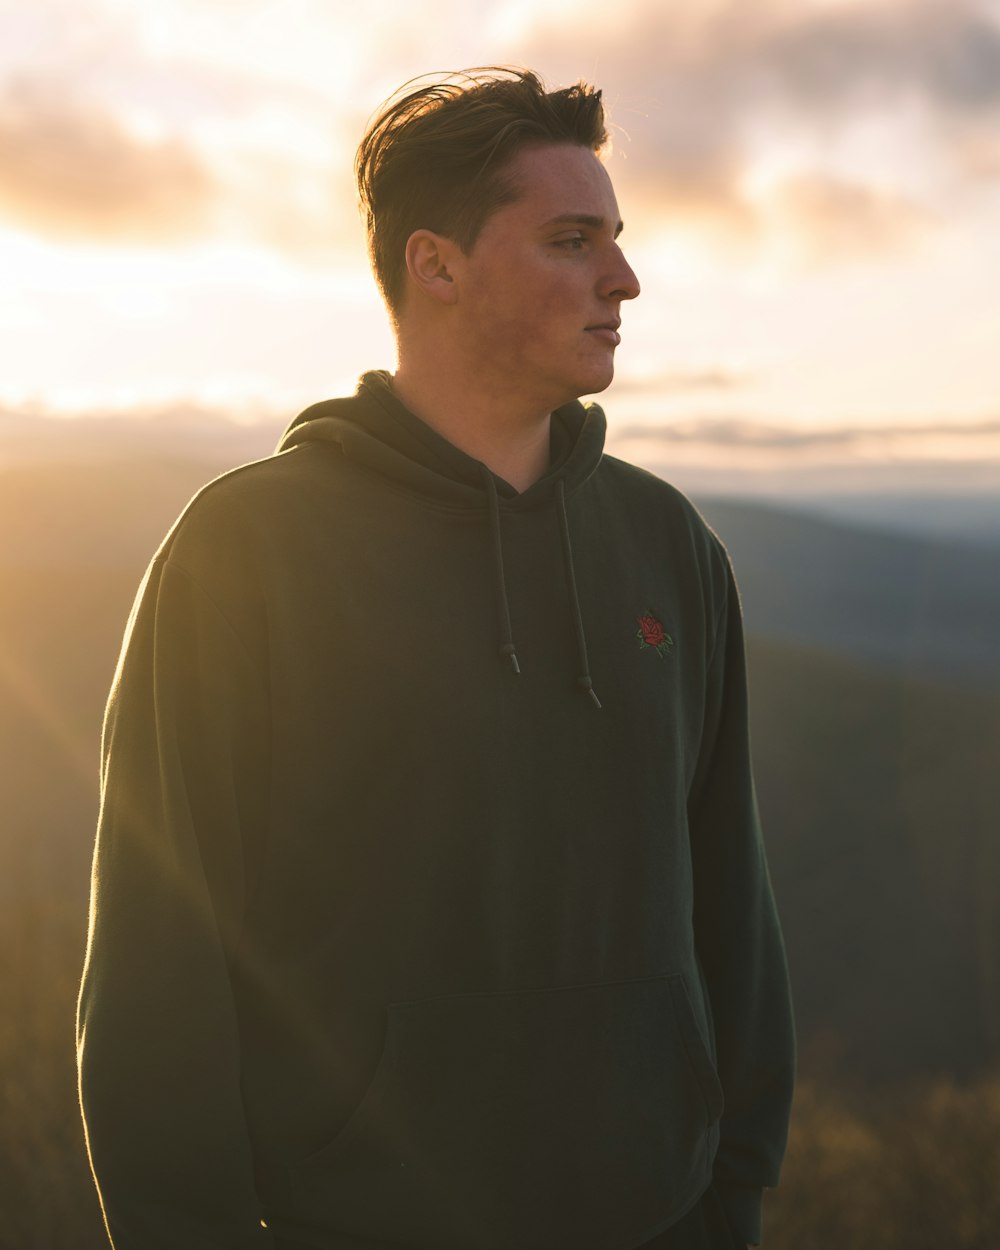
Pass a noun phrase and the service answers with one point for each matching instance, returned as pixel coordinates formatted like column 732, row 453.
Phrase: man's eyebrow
column 583, row 219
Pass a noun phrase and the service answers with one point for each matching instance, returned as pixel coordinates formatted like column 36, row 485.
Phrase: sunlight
column 22, row 688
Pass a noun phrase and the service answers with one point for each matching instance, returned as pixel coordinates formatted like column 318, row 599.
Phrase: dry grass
column 918, row 1167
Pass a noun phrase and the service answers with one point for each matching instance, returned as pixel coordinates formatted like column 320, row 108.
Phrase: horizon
column 827, row 467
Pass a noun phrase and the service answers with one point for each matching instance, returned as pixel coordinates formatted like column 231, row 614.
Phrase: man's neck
column 507, row 434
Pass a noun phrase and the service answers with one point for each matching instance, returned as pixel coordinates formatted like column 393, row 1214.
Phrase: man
column 430, row 907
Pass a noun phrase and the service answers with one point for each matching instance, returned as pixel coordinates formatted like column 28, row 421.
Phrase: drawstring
column 507, row 649
column 583, row 681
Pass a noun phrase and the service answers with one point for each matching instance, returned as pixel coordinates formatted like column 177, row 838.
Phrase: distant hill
column 925, row 607
column 880, row 796
column 969, row 516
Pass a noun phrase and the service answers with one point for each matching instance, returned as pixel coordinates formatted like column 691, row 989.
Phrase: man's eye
column 573, row 244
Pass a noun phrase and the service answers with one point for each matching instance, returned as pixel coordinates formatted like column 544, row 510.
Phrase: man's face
column 540, row 289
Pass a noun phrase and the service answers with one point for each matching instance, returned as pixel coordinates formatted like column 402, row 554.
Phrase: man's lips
column 607, row 331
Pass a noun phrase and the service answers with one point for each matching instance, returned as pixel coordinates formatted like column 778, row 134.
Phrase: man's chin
column 587, row 382
column 598, row 381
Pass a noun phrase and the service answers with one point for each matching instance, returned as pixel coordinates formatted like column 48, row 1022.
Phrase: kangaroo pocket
column 581, row 1116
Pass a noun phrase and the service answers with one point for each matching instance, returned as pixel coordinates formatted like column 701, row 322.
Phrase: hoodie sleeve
column 739, row 940
column 183, row 798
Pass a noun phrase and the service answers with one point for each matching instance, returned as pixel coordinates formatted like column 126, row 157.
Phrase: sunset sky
column 811, row 192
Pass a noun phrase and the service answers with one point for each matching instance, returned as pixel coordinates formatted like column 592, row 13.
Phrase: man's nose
column 622, row 283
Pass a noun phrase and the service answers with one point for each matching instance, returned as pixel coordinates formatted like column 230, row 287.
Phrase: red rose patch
column 652, row 635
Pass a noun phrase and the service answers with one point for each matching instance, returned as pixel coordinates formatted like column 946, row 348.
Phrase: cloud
column 71, row 169
column 834, row 219
column 192, row 431
column 682, row 381
column 736, row 433
column 811, row 61
column 742, row 455
column 121, row 125
column 705, row 96
column 944, row 52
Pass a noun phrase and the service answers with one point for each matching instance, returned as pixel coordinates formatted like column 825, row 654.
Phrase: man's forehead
column 565, row 182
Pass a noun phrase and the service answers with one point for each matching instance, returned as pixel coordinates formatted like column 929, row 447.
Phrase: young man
column 430, row 906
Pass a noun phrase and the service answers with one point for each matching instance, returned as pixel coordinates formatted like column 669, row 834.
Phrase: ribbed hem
column 743, row 1209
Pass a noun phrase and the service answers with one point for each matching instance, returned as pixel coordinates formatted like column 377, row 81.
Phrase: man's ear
column 430, row 263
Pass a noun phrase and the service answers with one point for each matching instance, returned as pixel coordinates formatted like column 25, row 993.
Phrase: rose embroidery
column 651, row 634
column 651, row 630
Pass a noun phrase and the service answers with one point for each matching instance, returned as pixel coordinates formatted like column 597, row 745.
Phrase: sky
column 811, row 193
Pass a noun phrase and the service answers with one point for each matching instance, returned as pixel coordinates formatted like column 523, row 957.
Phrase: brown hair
column 435, row 158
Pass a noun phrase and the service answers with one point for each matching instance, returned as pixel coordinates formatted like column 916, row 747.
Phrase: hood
column 374, row 429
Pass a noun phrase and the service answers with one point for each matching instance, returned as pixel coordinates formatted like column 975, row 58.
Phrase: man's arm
column 182, row 798
column 739, row 941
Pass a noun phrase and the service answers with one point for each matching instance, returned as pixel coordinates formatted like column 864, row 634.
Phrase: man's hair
column 437, row 156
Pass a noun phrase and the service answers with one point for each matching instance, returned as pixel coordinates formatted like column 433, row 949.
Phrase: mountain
column 969, row 516
column 924, row 607
column 879, row 794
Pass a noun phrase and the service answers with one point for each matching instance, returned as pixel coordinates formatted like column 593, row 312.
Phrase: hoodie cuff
column 743, row 1210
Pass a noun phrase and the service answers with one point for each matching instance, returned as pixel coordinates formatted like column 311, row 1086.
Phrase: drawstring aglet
column 587, row 686
column 507, row 652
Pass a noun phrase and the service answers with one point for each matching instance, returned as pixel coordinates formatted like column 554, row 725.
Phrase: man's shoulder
column 248, row 502
column 633, row 478
column 663, row 502
column 278, row 474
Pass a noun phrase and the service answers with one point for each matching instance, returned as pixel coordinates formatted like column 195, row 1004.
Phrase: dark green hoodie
column 430, row 907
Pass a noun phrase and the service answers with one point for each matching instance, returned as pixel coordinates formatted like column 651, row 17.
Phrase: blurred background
column 811, row 192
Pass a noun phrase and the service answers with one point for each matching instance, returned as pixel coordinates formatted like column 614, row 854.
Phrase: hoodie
column 430, row 906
